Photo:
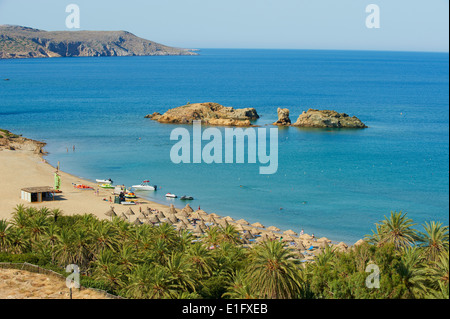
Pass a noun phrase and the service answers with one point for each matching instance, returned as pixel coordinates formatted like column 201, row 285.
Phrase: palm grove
column 149, row 261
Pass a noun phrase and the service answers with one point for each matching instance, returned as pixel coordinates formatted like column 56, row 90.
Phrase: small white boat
column 104, row 181
column 145, row 186
column 169, row 195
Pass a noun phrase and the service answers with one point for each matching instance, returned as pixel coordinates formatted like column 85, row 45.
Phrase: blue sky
column 406, row 25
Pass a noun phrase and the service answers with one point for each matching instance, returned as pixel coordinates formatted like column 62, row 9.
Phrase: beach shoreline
column 28, row 167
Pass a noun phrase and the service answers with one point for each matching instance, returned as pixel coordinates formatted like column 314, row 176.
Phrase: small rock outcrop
column 283, row 117
column 207, row 113
column 328, row 119
column 12, row 142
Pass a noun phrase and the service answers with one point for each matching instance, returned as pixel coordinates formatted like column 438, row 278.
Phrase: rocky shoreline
column 12, row 142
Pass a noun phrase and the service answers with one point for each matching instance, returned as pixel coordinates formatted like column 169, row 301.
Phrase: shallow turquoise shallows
column 334, row 183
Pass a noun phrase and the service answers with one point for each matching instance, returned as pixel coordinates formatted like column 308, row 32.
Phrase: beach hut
column 37, row 194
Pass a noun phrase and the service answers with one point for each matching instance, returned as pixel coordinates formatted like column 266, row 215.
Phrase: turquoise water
column 334, row 183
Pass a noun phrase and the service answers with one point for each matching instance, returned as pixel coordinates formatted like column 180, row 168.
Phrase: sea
column 335, row 183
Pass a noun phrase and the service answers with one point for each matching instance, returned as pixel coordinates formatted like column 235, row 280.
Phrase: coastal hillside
column 23, row 42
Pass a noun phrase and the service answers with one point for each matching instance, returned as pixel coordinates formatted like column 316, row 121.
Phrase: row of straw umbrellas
column 199, row 221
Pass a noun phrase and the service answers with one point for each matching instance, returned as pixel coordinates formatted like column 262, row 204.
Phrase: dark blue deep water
column 334, row 183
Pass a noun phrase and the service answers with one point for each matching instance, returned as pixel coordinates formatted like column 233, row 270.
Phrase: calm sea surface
column 334, row 183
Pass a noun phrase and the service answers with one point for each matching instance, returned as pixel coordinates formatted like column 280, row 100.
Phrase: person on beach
column 313, row 237
column 73, row 148
column 301, row 232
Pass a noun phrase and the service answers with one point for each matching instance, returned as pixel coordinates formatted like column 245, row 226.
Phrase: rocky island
column 319, row 119
column 208, row 114
column 22, row 42
column 328, row 119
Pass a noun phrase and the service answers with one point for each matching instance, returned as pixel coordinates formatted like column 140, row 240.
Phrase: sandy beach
column 23, row 165
column 24, row 168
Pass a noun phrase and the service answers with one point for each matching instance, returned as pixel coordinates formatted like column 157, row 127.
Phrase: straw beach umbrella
column 242, row 222
column 273, row 228
column 129, row 212
column 123, row 216
column 196, row 215
column 290, row 232
column 111, row 213
column 258, row 225
column 171, row 210
column 137, row 222
column 154, row 219
column 202, row 212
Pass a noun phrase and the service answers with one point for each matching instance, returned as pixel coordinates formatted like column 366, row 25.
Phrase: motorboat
column 186, row 197
column 170, row 195
column 145, row 186
column 107, row 186
column 104, row 181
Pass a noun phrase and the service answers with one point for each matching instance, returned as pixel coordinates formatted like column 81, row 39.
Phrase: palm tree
column 37, row 227
column 138, row 282
column 20, row 216
column 240, row 288
column 439, row 273
column 20, row 242
column 56, row 213
column 81, row 244
column 412, row 272
column 212, row 237
column 127, row 257
column 159, row 284
column 104, row 237
column 51, row 237
column 434, row 240
column 200, row 259
column 64, row 250
column 181, row 271
column 5, row 238
column 273, row 273
column 397, row 230
column 230, row 234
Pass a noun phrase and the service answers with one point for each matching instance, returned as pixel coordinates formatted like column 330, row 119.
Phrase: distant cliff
column 23, row 42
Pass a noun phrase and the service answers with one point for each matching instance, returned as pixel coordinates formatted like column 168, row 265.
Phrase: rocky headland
column 208, row 114
column 10, row 141
column 18, row 42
